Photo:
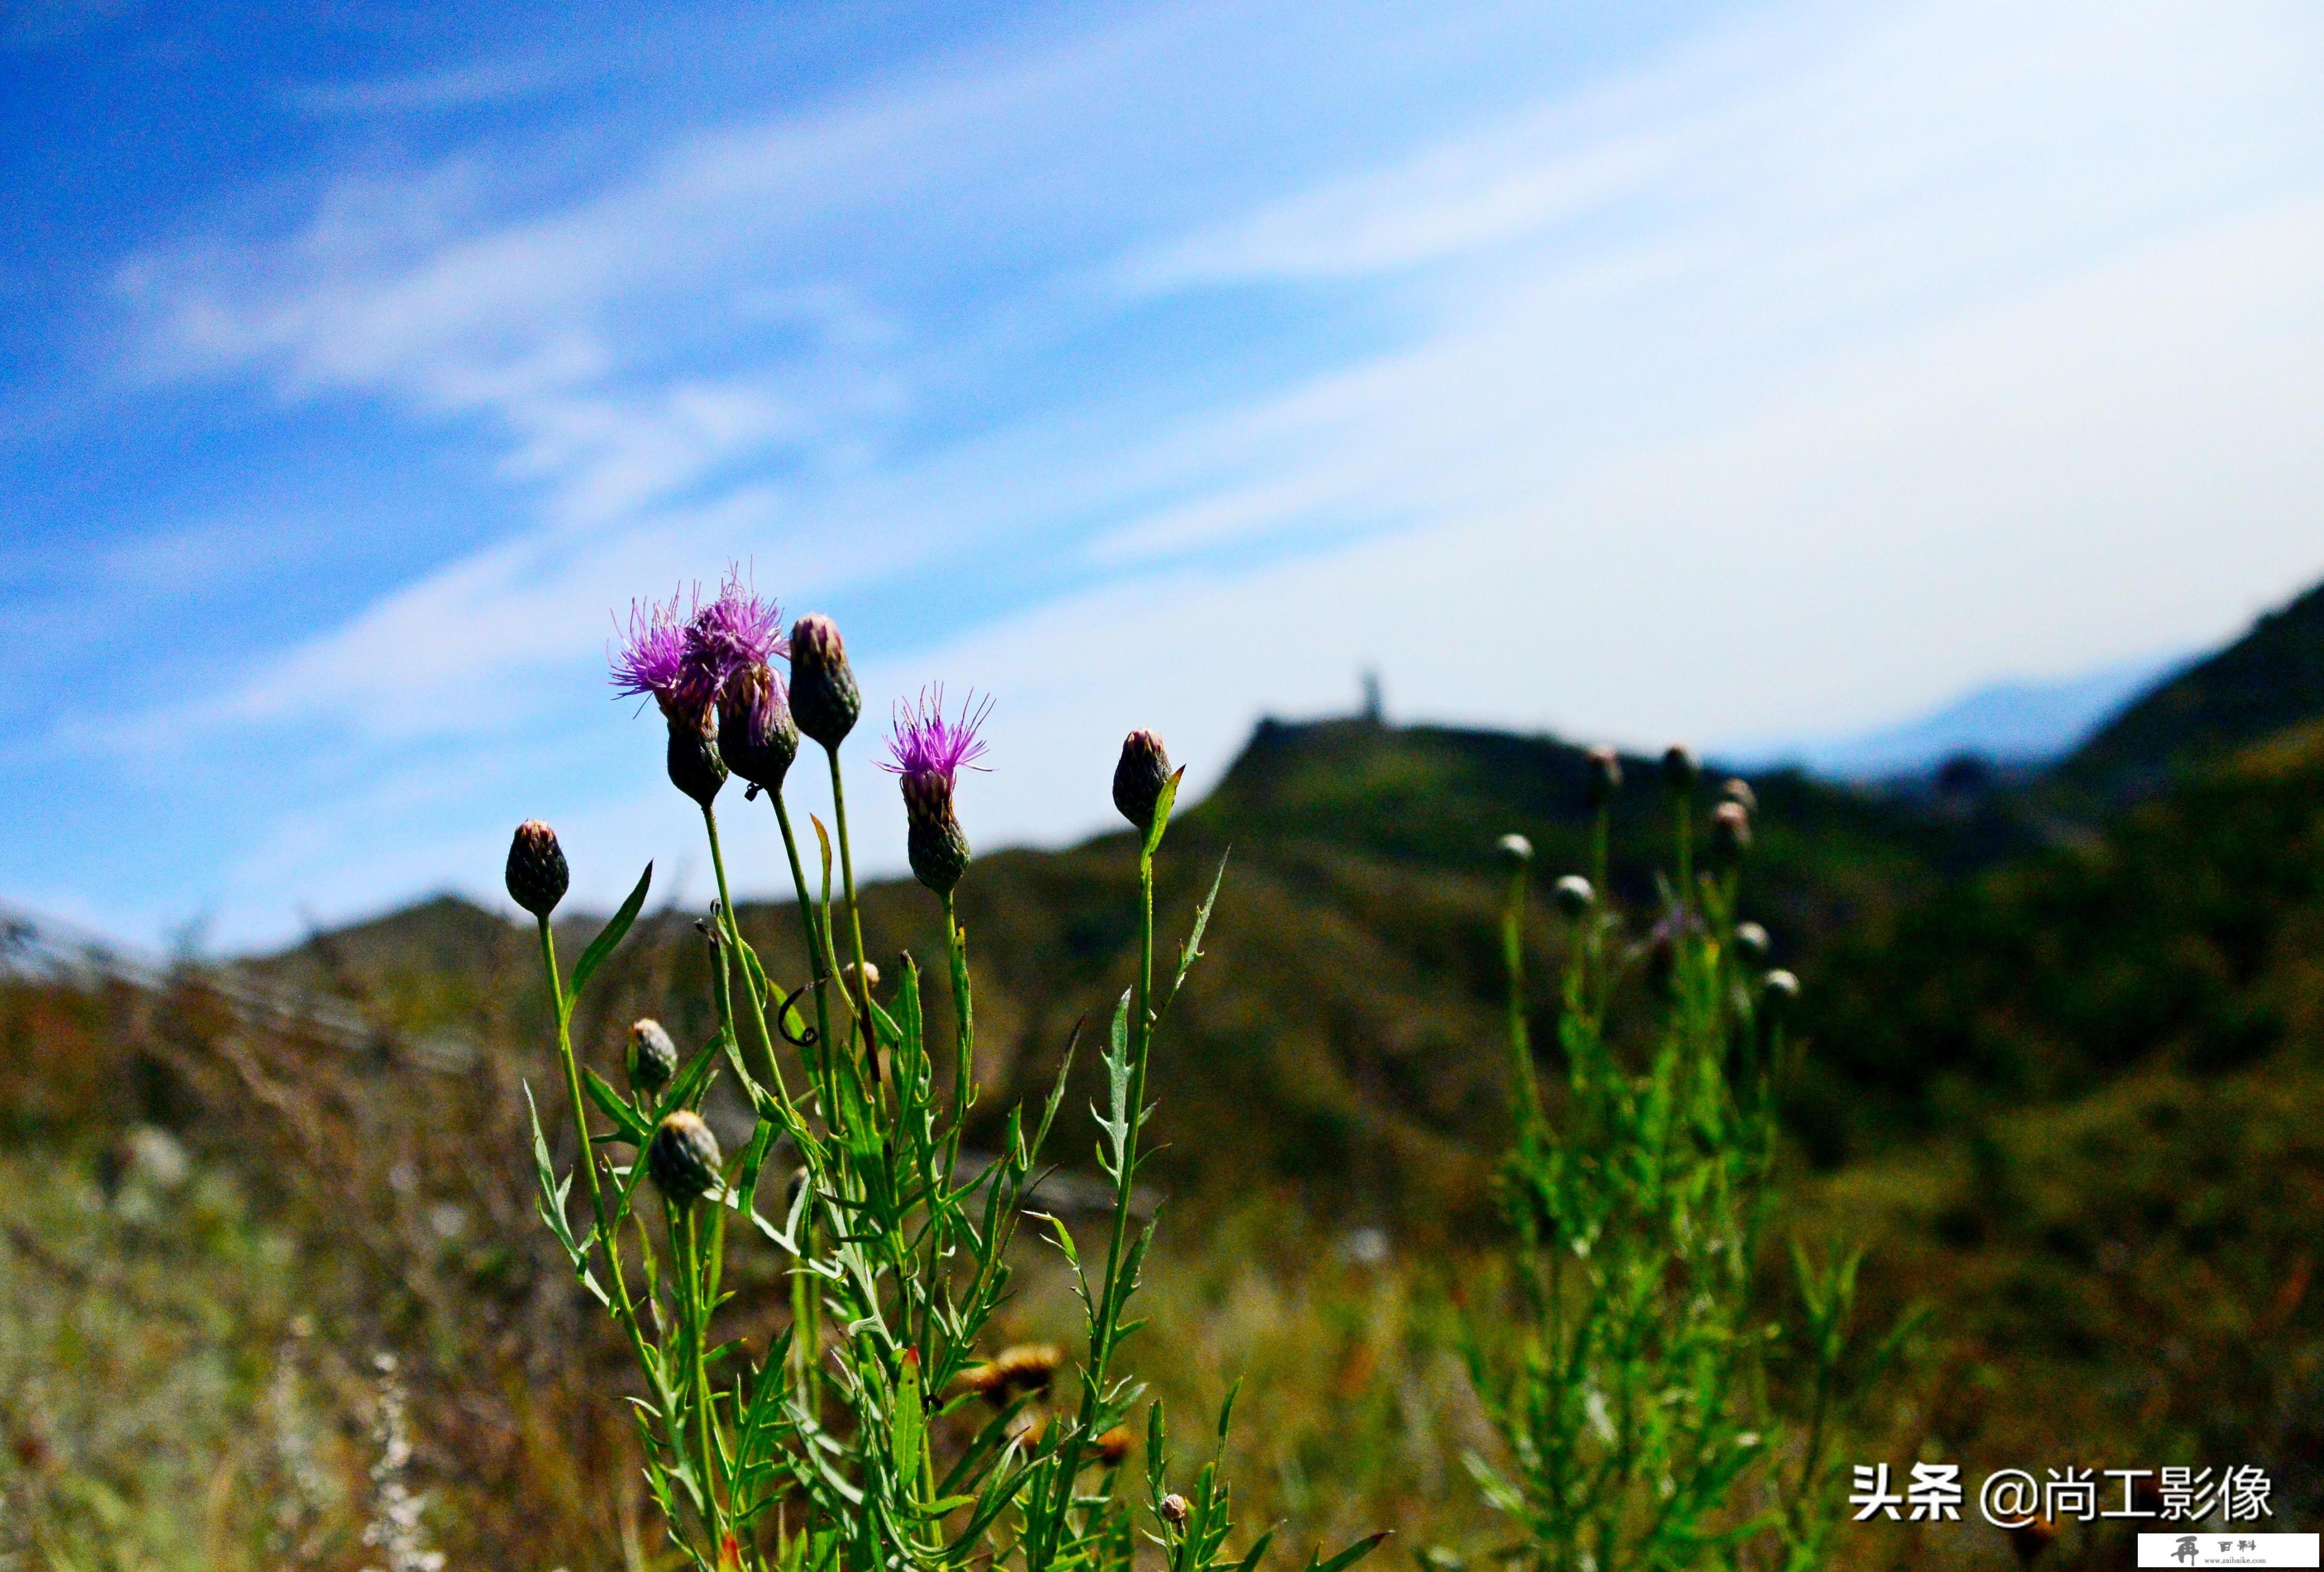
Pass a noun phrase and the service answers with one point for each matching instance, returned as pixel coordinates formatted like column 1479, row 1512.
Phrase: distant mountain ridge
column 2029, row 722
column 2264, row 683
column 1353, row 971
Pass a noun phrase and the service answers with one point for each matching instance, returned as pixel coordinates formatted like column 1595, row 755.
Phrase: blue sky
column 1709, row 371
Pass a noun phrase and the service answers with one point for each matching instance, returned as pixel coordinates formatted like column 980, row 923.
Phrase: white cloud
column 1788, row 380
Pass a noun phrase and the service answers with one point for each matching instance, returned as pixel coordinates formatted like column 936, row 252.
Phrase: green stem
column 733, row 925
column 1527, row 1092
column 963, row 1057
column 818, row 968
column 687, row 1233
column 1115, row 1295
column 626, row 1311
column 854, row 915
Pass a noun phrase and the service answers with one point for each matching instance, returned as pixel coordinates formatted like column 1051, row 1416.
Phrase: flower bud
column 683, row 1157
column 1730, row 832
column 1681, row 770
column 1739, row 790
column 934, row 841
column 1605, row 775
column 757, row 737
column 1023, row 1370
column 1574, row 897
column 695, row 766
column 537, row 874
column 651, row 1058
column 870, row 975
column 1174, row 1509
column 1778, row 992
column 824, row 695
column 1514, row 851
column 1752, row 944
column 1139, row 777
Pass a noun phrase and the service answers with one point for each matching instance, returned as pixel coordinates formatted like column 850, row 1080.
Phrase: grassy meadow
column 273, row 1298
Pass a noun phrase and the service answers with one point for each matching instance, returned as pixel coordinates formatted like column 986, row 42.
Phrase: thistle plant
column 1633, row 1379
column 873, row 1428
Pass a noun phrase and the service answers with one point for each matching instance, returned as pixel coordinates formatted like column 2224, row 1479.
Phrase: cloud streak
column 1784, row 374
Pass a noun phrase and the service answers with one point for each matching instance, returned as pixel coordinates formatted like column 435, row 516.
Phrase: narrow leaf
column 607, row 938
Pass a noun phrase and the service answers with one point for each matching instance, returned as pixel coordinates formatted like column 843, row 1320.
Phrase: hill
column 2270, row 679
column 1342, row 1027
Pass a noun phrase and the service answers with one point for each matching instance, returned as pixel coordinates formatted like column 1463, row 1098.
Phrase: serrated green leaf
column 610, row 1103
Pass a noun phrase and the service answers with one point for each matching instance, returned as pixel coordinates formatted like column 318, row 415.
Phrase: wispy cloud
column 456, row 87
column 1960, row 338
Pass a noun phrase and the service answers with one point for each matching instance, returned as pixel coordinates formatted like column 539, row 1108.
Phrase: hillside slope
column 2270, row 678
column 1344, row 1026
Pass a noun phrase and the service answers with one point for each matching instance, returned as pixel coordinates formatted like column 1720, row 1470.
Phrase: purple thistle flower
column 653, row 658
column 732, row 633
column 927, row 752
column 927, row 747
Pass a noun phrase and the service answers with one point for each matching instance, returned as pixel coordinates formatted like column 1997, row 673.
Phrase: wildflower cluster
column 873, row 1431
column 1631, row 1381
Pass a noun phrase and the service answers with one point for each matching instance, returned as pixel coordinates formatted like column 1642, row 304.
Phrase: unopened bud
column 933, row 842
column 1605, row 775
column 1681, row 770
column 1139, row 777
column 1174, row 1509
column 1739, row 790
column 824, row 695
column 1778, row 992
column 1730, row 832
column 683, row 1157
column 870, row 975
column 537, row 874
column 1514, row 851
column 1574, row 897
column 695, row 766
column 757, row 737
column 651, row 1058
column 1752, row 944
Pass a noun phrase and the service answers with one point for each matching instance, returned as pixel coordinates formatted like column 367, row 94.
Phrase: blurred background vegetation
column 2065, row 1079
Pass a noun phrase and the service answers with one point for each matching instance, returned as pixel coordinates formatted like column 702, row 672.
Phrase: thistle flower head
column 683, row 1157
column 1680, row 769
column 1739, row 790
column 537, row 875
column 1730, row 832
column 1574, row 897
column 924, row 746
column 757, row 737
column 1025, row 1369
column 735, row 631
column 651, row 1058
column 824, row 695
column 1138, row 778
column 1605, row 775
column 653, row 658
column 927, row 753
column 1113, row 1447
